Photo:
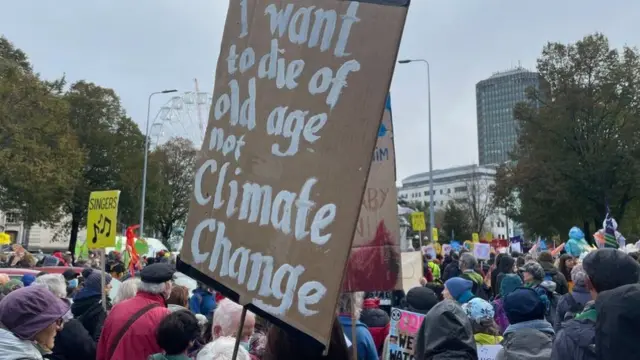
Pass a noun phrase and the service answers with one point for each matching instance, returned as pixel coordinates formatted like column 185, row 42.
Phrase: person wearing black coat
column 546, row 261
column 73, row 342
column 453, row 269
column 87, row 305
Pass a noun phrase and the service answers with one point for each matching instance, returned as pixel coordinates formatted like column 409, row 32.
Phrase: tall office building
column 496, row 98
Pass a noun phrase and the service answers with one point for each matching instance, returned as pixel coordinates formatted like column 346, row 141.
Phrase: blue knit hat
column 94, row 281
column 457, row 286
column 28, row 279
column 509, row 283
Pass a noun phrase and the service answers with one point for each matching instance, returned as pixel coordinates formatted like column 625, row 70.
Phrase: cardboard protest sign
column 374, row 263
column 403, row 334
column 412, row 271
column 298, row 99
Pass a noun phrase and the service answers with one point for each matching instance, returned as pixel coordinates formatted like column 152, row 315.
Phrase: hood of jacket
column 446, row 333
column 541, row 325
column 548, row 268
column 617, row 322
column 582, row 333
column 15, row 349
column 174, row 308
column 527, row 343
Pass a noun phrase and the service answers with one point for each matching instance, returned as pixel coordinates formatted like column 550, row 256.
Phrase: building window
column 448, row 191
column 460, row 189
column 426, row 193
column 440, row 191
column 12, row 218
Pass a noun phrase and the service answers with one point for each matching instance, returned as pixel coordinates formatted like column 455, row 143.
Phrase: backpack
column 554, row 298
column 574, row 308
column 478, row 290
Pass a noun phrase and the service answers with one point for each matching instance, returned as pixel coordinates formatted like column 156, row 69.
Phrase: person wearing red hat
column 376, row 320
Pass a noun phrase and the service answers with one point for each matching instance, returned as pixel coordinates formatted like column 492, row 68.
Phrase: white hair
column 127, row 290
column 152, row 288
column 55, row 283
column 348, row 301
column 222, row 349
column 226, row 313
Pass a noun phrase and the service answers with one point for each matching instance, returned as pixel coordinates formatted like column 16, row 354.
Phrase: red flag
column 134, row 258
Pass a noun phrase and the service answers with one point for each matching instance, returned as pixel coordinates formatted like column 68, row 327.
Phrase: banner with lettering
column 403, row 334
column 298, row 99
column 374, row 263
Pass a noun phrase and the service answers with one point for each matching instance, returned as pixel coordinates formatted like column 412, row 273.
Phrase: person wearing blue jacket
column 576, row 245
column 203, row 301
column 364, row 341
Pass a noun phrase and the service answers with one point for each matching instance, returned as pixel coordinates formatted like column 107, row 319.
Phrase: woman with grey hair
column 350, row 305
column 127, row 290
column 572, row 303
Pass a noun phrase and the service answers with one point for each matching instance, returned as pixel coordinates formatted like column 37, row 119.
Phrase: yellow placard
column 102, row 219
column 475, row 237
column 417, row 221
column 5, row 239
column 434, row 234
column 489, row 236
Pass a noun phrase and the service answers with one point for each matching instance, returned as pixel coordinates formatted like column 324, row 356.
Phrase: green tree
column 113, row 150
column 175, row 165
column 578, row 145
column 455, row 221
column 39, row 155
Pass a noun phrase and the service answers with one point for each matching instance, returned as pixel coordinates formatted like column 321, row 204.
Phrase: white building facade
column 40, row 237
column 462, row 185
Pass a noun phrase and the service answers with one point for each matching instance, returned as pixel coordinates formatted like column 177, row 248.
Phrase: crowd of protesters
column 535, row 307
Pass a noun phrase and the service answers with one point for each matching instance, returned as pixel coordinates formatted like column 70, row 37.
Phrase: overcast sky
column 137, row 47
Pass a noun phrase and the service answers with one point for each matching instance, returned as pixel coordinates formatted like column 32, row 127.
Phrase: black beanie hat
column 524, row 304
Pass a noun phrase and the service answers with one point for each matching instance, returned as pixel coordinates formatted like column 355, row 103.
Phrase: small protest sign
column 417, row 221
column 298, row 99
column 102, row 219
column 482, row 251
column 403, row 333
column 5, row 239
column 446, row 249
column 374, row 263
column 488, row 352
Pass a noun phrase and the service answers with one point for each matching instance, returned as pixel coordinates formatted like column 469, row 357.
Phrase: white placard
column 482, row 251
column 488, row 352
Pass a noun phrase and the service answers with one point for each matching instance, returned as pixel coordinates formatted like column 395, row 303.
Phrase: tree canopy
column 113, row 147
column 39, row 154
column 577, row 148
column 174, row 166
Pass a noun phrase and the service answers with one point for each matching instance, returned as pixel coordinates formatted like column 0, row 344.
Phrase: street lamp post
column 146, row 158
column 432, row 221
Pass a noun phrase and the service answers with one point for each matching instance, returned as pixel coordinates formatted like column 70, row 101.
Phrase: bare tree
column 478, row 200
